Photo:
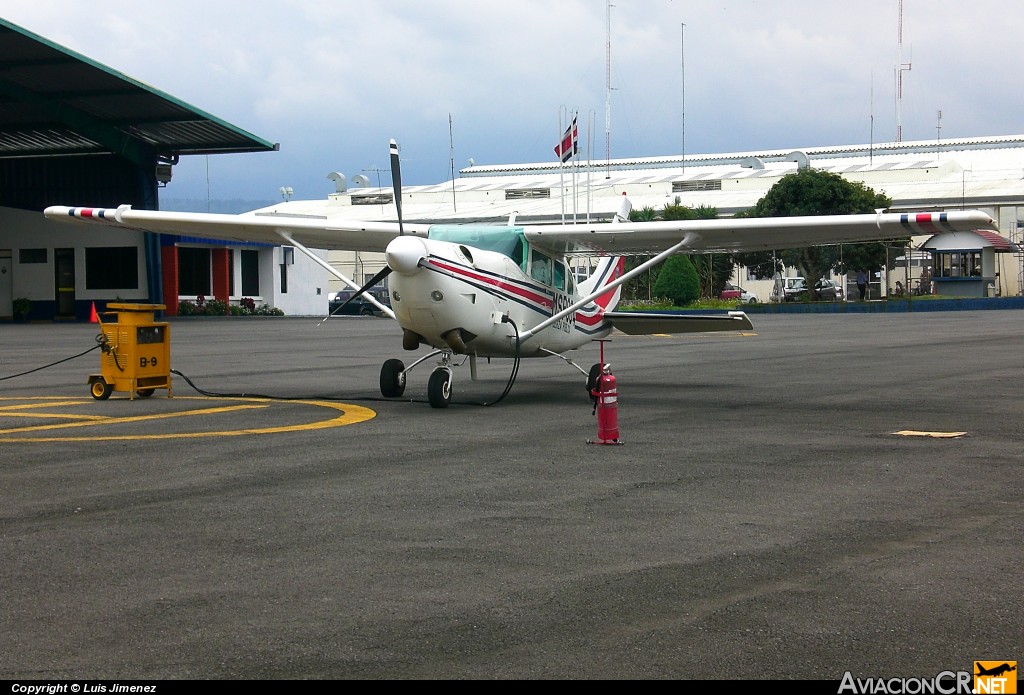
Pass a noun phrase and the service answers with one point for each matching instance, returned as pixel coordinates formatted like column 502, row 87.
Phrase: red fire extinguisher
column 606, row 406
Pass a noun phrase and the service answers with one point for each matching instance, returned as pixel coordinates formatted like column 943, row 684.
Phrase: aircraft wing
column 749, row 233
column 313, row 231
column 648, row 323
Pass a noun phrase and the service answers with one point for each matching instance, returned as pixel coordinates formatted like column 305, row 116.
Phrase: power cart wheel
column 101, row 390
column 145, row 393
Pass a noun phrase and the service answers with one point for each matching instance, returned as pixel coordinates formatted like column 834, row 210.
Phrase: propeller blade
column 362, row 290
column 396, row 180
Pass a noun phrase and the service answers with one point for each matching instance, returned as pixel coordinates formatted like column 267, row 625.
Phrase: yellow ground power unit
column 136, row 353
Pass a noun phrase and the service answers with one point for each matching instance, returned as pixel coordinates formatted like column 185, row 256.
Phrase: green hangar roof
column 54, row 101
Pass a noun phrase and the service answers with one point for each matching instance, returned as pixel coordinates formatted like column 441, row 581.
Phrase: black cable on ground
column 215, row 394
column 59, row 361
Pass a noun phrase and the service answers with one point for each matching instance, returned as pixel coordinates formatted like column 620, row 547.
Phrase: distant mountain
column 227, row 207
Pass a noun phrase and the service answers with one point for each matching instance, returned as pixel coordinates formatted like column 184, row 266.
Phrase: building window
column 193, row 271
column 32, row 256
column 958, row 264
column 112, row 268
column 250, row 273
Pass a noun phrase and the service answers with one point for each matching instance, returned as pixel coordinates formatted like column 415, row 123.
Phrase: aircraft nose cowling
column 404, row 254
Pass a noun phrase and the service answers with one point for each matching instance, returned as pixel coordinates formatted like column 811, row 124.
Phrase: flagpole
column 561, row 166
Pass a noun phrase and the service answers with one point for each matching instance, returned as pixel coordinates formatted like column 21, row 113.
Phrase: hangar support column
column 221, row 262
column 169, row 259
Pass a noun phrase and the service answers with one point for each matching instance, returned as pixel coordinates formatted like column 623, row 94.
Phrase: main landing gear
column 439, row 387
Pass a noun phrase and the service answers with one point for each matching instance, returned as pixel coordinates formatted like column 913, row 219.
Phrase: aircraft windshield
column 509, row 241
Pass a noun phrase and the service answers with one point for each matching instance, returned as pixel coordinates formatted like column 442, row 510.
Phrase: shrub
column 678, row 281
column 215, row 307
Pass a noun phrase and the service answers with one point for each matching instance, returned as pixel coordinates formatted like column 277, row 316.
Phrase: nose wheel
column 439, row 388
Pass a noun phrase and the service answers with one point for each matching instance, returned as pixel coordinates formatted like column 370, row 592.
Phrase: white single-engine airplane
column 508, row 291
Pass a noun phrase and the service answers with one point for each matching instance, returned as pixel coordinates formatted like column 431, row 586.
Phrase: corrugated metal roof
column 54, row 101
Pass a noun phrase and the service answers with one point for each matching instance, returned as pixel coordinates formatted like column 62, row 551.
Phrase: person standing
column 862, row 284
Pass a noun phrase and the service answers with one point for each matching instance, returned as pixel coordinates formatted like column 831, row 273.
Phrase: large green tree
column 816, row 192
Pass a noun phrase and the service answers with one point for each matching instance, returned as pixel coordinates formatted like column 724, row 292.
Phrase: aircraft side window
column 559, row 275
column 540, row 268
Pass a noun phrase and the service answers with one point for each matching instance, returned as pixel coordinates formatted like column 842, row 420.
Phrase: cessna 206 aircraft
column 506, row 291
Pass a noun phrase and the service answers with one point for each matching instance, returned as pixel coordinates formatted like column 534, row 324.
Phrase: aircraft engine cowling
column 404, row 254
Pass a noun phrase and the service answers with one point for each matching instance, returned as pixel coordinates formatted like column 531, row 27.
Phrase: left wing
column 314, row 231
column 749, row 233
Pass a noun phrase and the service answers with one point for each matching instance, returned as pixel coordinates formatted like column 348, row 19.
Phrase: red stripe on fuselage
column 499, row 284
column 544, row 301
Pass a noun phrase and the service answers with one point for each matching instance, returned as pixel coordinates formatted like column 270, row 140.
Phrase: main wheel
column 439, row 388
column 392, row 379
column 101, row 390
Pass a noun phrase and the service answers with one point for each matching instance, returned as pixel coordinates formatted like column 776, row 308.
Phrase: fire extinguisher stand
column 606, row 405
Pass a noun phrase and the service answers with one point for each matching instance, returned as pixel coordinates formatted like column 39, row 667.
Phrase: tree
column 816, row 192
column 678, row 281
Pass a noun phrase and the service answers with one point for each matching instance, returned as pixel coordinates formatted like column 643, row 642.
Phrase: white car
column 792, row 289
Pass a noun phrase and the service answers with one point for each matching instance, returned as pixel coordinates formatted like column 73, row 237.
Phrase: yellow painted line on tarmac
column 350, row 414
column 134, row 418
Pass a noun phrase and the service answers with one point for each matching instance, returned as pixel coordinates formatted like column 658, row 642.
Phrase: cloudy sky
column 333, row 81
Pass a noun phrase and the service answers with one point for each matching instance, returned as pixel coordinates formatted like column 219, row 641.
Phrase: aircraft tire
column 392, row 379
column 439, row 388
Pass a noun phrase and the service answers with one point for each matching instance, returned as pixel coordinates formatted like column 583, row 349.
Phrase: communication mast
column 901, row 67
column 608, row 89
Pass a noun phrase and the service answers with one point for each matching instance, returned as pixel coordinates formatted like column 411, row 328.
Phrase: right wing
column 313, row 231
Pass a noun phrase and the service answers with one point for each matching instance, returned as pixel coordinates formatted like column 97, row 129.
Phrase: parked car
column 791, row 289
column 361, row 306
column 731, row 291
column 828, row 290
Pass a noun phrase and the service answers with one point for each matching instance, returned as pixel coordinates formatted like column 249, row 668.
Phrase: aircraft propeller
column 398, row 258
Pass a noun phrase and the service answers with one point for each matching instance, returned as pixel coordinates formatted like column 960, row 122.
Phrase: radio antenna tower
column 608, row 89
column 901, row 67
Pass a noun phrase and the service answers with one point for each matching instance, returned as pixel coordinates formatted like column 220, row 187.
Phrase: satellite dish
column 340, row 186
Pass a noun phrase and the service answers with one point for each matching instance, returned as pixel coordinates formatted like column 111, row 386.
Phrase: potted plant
column 22, row 308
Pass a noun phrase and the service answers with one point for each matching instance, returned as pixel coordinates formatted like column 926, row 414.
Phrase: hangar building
column 74, row 132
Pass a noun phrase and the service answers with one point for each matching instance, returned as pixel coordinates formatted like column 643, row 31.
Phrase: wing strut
column 333, row 271
column 604, row 289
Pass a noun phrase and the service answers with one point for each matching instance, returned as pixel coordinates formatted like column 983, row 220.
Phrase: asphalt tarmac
column 761, row 519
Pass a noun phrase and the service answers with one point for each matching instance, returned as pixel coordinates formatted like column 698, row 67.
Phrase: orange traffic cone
column 93, row 316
